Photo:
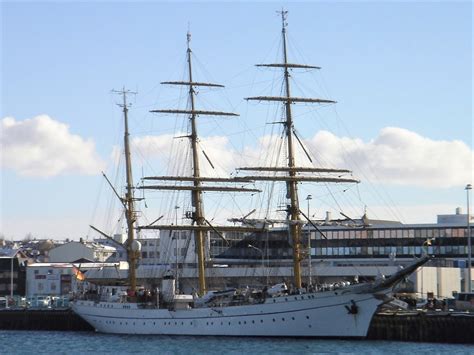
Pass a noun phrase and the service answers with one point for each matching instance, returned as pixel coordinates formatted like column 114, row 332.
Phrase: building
column 362, row 247
column 12, row 272
column 82, row 250
column 343, row 249
column 49, row 279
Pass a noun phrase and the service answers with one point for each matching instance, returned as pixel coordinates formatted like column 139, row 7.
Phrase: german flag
column 79, row 274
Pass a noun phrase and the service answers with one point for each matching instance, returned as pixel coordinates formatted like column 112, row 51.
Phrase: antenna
column 124, row 94
column 188, row 36
column 284, row 15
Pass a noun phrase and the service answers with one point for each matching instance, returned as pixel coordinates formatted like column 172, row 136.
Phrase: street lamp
column 469, row 251
column 309, row 198
column 261, row 252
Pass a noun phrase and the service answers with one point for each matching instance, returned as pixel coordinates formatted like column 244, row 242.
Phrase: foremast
column 292, row 172
column 128, row 201
column 199, row 223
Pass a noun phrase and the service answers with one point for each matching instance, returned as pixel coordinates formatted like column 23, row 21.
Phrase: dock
column 62, row 319
column 423, row 326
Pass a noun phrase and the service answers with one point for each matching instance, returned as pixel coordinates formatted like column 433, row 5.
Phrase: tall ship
column 293, row 309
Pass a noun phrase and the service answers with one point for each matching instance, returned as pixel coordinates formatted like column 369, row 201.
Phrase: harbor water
column 27, row 342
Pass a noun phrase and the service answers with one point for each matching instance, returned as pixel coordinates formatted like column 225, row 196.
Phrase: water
column 26, row 342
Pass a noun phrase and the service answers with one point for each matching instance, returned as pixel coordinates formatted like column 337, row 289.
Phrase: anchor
column 353, row 308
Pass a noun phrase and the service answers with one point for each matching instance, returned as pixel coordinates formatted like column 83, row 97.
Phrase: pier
column 438, row 327
column 42, row 319
column 421, row 326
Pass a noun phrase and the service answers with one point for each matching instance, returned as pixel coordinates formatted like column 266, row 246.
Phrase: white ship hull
column 322, row 314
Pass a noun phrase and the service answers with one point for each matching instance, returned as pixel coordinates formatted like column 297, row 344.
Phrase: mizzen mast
column 291, row 171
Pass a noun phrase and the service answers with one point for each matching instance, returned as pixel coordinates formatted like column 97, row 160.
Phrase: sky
column 401, row 73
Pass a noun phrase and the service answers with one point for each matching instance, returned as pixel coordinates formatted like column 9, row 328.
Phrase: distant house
column 64, row 279
column 12, row 272
column 82, row 251
column 52, row 279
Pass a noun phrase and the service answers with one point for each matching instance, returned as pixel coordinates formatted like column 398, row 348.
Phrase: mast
column 292, row 173
column 200, row 225
column 196, row 194
column 128, row 201
column 292, row 187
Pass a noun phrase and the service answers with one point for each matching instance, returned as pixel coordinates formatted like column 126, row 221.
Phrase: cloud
column 165, row 146
column 396, row 156
column 44, row 147
column 399, row 157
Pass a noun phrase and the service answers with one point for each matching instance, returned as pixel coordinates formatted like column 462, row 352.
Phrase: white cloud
column 395, row 157
column 165, row 146
column 399, row 157
column 42, row 146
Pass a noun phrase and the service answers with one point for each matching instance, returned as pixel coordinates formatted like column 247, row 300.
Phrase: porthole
column 273, row 319
column 283, row 319
column 261, row 320
column 307, row 317
column 253, row 322
column 292, row 318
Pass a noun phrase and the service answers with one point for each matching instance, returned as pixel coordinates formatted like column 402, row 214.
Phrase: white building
column 74, row 251
column 49, row 279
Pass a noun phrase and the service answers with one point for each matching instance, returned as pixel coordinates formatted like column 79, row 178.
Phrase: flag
column 79, row 274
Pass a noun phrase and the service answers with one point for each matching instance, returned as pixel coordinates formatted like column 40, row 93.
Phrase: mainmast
column 200, row 225
column 128, row 201
column 196, row 194
column 292, row 187
column 291, row 171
